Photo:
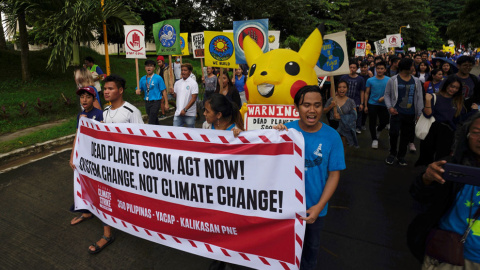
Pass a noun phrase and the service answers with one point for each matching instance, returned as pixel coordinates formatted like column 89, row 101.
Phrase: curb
column 36, row 148
column 41, row 147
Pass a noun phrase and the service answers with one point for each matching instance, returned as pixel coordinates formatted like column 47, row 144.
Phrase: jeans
column 311, row 244
column 152, row 107
column 179, row 121
column 375, row 111
column 403, row 126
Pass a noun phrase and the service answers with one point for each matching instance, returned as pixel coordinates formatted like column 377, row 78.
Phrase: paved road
column 365, row 226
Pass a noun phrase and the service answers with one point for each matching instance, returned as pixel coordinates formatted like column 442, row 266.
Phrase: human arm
column 71, row 154
column 330, row 104
column 427, row 110
column 330, row 187
column 189, row 105
column 165, row 98
column 367, row 94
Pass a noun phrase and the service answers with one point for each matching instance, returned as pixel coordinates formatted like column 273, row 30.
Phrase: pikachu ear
column 311, row 49
column 252, row 50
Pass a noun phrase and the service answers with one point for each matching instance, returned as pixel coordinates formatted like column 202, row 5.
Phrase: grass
column 61, row 130
column 49, row 85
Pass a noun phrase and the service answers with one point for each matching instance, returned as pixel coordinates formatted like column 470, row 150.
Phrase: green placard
column 167, row 37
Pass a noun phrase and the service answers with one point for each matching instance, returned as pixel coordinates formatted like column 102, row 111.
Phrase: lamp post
column 406, row 26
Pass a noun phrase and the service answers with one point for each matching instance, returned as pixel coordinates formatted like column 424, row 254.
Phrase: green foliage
column 465, row 28
column 445, row 12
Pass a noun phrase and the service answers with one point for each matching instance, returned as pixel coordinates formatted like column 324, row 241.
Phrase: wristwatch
column 185, row 109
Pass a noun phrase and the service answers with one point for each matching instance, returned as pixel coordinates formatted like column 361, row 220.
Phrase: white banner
column 333, row 59
column 198, row 190
column 135, row 41
column 198, row 43
column 381, row 46
column 273, row 39
column 412, row 49
column 394, row 41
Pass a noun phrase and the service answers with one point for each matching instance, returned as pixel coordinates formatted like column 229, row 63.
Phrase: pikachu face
column 276, row 76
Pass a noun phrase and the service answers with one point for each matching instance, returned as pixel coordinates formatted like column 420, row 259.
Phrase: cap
column 160, row 58
column 87, row 89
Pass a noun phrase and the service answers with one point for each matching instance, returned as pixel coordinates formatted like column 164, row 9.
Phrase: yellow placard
column 184, row 44
column 219, row 49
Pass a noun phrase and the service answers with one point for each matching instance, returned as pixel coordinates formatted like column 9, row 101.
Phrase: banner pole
column 136, row 69
column 201, row 64
column 221, row 80
column 171, row 69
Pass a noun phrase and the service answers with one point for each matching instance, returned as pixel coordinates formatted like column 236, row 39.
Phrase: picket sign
column 269, row 236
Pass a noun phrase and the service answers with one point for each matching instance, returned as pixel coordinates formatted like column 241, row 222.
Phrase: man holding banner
column 324, row 159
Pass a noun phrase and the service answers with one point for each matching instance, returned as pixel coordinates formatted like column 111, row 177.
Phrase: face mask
column 178, row 60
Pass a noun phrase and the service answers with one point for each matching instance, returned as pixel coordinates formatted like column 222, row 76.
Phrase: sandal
column 80, row 219
column 97, row 248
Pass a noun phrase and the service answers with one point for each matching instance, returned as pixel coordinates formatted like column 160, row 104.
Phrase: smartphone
column 462, row 174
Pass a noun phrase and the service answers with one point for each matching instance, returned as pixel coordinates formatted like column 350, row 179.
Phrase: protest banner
column 273, row 40
column 198, row 42
column 266, row 116
column 167, row 37
column 360, row 48
column 333, row 59
column 184, row 44
column 394, row 41
column 198, row 190
column 135, row 41
column 381, row 46
column 256, row 29
column 412, row 49
column 219, row 49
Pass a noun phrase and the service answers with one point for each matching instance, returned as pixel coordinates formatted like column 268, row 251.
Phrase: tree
column 74, row 22
column 465, row 28
column 3, row 42
column 444, row 12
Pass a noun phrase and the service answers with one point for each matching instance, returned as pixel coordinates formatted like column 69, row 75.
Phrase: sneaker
column 163, row 116
column 387, row 127
column 411, row 147
column 375, row 144
column 364, row 128
column 377, row 133
column 359, row 131
column 402, row 162
column 390, row 159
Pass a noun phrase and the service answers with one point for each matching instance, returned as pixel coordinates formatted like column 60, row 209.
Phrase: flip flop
column 81, row 218
column 97, row 248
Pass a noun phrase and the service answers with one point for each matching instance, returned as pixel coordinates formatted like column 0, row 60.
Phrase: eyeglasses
column 474, row 135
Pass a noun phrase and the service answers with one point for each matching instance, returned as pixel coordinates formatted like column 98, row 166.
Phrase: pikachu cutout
column 276, row 76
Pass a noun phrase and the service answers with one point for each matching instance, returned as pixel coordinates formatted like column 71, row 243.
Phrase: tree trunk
column 23, row 45
column 3, row 43
column 76, row 53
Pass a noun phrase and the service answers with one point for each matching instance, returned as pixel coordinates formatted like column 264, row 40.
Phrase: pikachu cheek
column 296, row 86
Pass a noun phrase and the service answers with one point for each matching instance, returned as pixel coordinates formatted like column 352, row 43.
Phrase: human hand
column 366, row 109
column 434, row 173
column 336, row 116
column 138, row 92
column 312, row 214
column 392, row 111
column 381, row 99
column 280, row 127
column 182, row 113
column 236, row 132
column 82, row 115
column 475, row 106
column 360, row 108
column 167, row 106
column 70, row 162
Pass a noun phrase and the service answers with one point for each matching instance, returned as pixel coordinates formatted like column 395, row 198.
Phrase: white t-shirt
column 177, row 70
column 184, row 90
column 125, row 114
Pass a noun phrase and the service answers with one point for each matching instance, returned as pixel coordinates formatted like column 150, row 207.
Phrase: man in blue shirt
column 375, row 105
column 153, row 87
column 324, row 159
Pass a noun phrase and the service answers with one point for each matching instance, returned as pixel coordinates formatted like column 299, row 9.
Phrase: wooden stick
column 181, row 60
column 221, row 80
column 171, row 69
column 136, row 68
column 201, row 64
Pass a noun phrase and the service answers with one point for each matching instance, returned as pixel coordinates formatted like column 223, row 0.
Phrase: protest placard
column 167, row 37
column 360, row 48
column 394, row 41
column 184, row 44
column 197, row 190
column 135, row 41
column 256, row 29
column 381, row 46
column 273, row 39
column 333, row 59
column 219, row 49
column 198, row 42
column 266, row 116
